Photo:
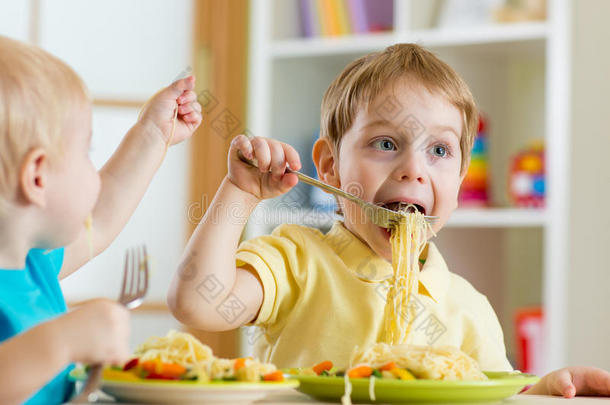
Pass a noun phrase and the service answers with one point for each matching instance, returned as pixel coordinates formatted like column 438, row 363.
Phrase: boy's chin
column 375, row 237
column 383, row 253
column 380, row 242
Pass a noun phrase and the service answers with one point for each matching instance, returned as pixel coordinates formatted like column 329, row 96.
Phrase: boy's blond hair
column 37, row 93
column 365, row 78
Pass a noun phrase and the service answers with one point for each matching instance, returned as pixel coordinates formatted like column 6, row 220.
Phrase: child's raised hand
column 269, row 179
column 571, row 381
column 157, row 115
column 97, row 332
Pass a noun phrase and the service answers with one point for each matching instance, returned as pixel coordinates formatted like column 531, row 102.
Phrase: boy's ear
column 33, row 177
column 324, row 159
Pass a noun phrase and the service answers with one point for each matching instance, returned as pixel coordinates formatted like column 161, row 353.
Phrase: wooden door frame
column 220, row 65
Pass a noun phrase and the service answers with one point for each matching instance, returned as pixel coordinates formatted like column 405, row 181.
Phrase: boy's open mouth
column 400, row 206
column 404, row 206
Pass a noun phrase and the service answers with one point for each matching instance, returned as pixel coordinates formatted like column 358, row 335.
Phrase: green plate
column 499, row 386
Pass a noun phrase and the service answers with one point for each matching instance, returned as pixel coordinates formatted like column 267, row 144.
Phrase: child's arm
column 96, row 332
column 129, row 171
column 571, row 381
column 209, row 259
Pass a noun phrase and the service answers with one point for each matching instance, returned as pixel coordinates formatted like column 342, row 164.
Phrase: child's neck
column 14, row 244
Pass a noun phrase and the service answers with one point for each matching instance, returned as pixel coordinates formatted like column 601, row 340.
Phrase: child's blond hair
column 37, row 93
column 365, row 78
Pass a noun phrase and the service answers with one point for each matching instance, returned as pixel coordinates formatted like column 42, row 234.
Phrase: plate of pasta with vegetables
column 179, row 368
column 408, row 374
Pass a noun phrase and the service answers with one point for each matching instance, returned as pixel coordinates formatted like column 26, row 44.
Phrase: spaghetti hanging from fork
column 408, row 240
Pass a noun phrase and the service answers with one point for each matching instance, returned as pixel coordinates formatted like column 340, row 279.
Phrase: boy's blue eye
column 439, row 150
column 384, row 144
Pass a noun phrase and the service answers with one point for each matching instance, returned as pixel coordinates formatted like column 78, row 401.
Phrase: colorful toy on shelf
column 527, row 182
column 474, row 190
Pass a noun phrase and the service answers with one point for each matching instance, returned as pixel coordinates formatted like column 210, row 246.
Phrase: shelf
column 320, row 46
column 265, row 217
column 482, row 35
column 521, row 33
column 498, row 218
column 268, row 217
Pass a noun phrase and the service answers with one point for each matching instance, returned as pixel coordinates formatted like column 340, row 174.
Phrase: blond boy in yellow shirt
column 397, row 126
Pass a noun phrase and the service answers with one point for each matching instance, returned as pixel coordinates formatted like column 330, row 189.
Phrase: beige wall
column 588, row 329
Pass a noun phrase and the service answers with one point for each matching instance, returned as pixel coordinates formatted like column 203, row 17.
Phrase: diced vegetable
column 173, row 370
column 149, row 366
column 155, row 376
column 387, row 367
column 402, row 374
column 250, row 374
column 130, row 364
column 110, row 374
column 360, row 372
column 324, row 366
column 274, row 376
column 239, row 363
column 168, row 370
column 377, row 373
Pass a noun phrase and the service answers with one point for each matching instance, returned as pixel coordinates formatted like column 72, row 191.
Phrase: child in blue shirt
column 48, row 189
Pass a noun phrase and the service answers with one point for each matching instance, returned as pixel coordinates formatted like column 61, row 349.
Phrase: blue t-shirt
column 28, row 297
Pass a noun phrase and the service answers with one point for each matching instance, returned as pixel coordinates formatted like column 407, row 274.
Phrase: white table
column 294, row 398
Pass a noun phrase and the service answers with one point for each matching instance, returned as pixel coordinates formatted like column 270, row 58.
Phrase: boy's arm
column 30, row 362
column 97, row 332
column 127, row 174
column 209, row 259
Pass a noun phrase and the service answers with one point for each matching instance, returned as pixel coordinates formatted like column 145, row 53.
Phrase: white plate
column 193, row 393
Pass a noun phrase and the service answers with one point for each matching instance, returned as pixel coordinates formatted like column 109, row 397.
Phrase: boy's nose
column 410, row 168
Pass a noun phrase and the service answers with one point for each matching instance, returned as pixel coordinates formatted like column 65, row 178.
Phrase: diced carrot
column 360, row 372
column 149, row 366
column 387, row 367
column 274, row 376
column 239, row 363
column 324, row 366
column 170, row 370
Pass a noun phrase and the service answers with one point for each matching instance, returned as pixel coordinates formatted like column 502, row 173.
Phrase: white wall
column 14, row 19
column 124, row 50
column 588, row 299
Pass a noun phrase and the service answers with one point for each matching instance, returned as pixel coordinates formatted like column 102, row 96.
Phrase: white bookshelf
column 265, row 218
column 519, row 75
column 508, row 36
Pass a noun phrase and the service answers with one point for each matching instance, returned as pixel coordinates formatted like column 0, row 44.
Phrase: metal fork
column 133, row 290
column 381, row 216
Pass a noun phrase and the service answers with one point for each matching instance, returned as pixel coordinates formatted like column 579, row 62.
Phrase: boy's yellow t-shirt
column 324, row 294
